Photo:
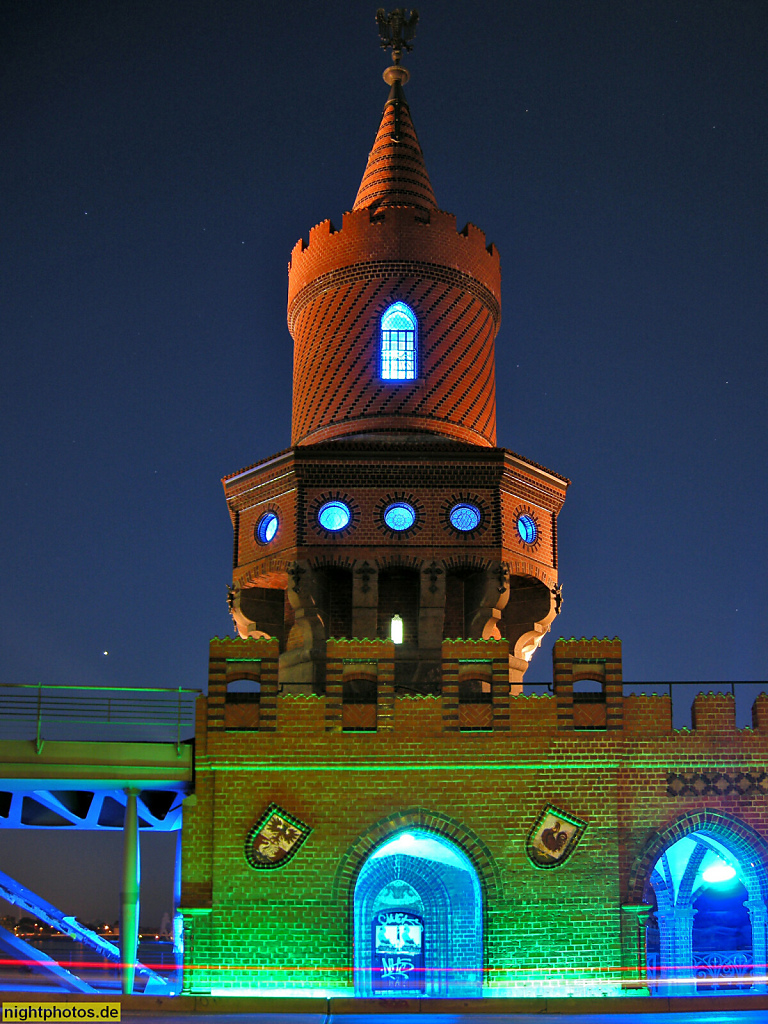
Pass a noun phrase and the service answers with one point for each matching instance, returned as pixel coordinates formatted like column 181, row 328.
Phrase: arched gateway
column 418, row 919
column 706, row 879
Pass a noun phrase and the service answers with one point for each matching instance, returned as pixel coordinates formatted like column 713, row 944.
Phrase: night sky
column 162, row 157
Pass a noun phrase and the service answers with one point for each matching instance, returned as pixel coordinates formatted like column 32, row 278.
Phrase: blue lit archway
column 418, row 919
column 706, row 878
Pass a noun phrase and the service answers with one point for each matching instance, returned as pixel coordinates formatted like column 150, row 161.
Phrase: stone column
column 197, row 949
column 676, row 947
column 305, row 645
column 635, row 947
column 432, row 607
column 365, row 600
column 758, row 916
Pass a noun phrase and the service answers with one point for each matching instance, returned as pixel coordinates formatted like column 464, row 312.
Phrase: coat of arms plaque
column 554, row 837
column 274, row 839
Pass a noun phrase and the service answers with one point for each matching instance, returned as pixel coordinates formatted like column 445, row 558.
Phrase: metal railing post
column 39, row 741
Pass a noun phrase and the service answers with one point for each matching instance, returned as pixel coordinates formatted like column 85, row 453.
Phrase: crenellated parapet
column 597, row 660
column 473, row 696
column 232, row 659
column 429, row 238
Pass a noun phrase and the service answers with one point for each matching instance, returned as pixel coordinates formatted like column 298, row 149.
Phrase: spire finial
column 396, row 30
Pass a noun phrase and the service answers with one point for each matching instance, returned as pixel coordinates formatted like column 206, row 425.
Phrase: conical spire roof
column 396, row 174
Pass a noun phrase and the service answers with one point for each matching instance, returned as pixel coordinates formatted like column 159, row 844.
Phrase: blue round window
column 465, row 517
column 526, row 527
column 266, row 528
column 400, row 516
column 334, row 515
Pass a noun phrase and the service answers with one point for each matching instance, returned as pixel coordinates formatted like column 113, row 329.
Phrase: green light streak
column 111, row 689
column 422, row 766
column 256, row 766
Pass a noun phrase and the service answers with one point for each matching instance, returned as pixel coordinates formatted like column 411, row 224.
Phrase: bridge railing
column 40, row 712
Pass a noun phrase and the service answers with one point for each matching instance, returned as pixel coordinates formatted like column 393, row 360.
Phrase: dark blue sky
column 161, row 158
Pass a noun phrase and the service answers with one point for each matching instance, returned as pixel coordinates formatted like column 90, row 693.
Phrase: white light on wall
column 396, row 629
column 718, row 872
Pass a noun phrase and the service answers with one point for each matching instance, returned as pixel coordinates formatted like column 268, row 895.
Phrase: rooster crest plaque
column 274, row 839
column 554, row 837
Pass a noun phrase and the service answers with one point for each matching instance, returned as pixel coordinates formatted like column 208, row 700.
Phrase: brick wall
column 483, row 790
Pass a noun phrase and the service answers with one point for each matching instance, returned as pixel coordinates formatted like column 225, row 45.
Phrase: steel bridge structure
column 93, row 758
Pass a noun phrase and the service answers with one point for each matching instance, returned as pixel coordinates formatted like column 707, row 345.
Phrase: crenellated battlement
column 396, row 235
column 473, row 697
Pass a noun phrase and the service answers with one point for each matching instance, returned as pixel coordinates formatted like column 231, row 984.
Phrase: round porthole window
column 400, row 516
column 465, row 517
column 266, row 528
column 334, row 515
column 526, row 527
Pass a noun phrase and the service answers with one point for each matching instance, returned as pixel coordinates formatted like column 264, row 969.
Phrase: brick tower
column 378, row 810
column 393, row 515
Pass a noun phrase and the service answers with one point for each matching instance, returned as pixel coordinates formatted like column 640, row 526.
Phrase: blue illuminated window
column 526, row 527
column 400, row 516
column 465, row 517
column 334, row 515
column 266, row 528
column 398, row 343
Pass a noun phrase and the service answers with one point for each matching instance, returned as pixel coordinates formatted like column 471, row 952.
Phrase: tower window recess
column 399, row 331
column 400, row 516
column 334, row 515
column 266, row 528
column 465, row 517
column 396, row 629
column 526, row 527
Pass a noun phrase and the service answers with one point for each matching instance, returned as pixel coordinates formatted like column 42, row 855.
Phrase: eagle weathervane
column 396, row 30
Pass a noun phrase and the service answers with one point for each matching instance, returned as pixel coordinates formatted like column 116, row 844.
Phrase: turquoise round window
column 526, row 527
column 266, row 528
column 400, row 516
column 334, row 515
column 465, row 517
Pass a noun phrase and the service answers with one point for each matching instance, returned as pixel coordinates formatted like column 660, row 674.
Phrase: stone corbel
column 243, row 624
column 492, row 600
column 302, row 597
column 528, row 643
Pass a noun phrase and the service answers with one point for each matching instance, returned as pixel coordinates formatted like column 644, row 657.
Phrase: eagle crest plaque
column 275, row 838
column 554, row 837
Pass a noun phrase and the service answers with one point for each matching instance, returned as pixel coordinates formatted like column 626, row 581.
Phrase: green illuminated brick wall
column 546, row 930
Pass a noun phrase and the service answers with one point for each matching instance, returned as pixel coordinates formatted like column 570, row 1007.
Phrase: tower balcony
column 432, row 540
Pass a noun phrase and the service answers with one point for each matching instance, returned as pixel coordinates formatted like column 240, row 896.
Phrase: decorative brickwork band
column 699, row 784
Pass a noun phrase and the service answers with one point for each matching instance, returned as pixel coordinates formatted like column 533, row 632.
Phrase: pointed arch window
column 399, row 335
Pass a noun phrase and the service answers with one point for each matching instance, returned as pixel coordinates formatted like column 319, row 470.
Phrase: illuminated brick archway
column 418, row 915
column 465, row 842
column 671, row 876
